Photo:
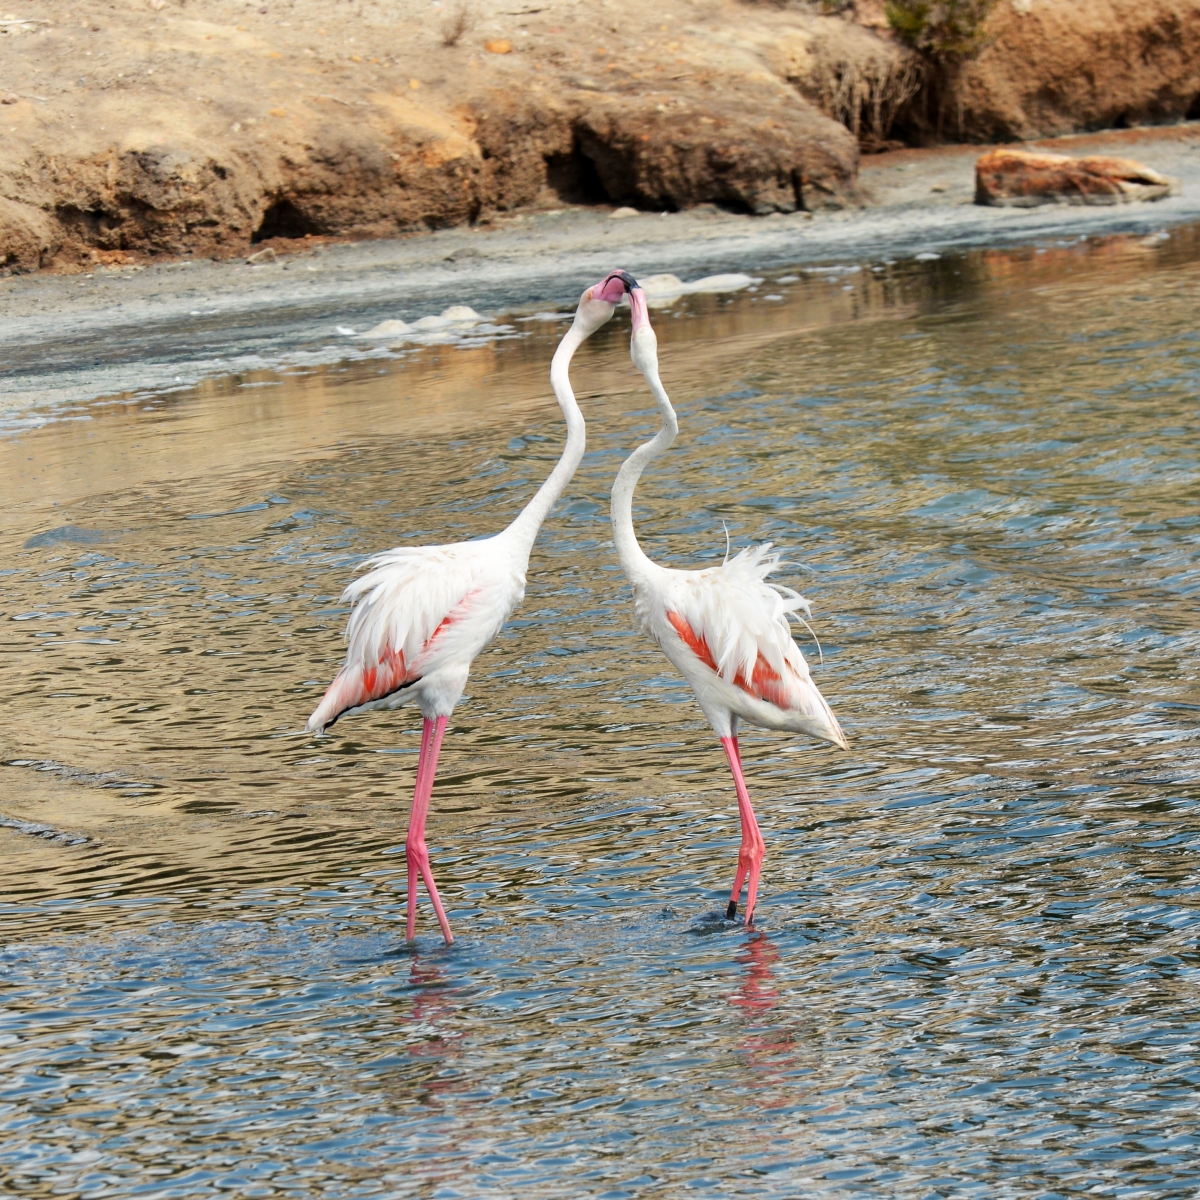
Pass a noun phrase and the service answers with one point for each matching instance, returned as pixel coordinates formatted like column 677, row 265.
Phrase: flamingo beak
column 637, row 305
column 613, row 287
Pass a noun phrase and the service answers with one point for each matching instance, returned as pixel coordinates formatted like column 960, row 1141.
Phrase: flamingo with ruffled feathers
column 422, row 613
column 725, row 628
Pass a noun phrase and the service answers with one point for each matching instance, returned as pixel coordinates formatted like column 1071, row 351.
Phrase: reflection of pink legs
column 415, row 848
column 753, row 848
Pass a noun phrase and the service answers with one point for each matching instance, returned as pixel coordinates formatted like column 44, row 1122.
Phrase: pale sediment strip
column 66, row 340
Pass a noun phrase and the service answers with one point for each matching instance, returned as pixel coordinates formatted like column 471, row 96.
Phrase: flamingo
column 725, row 628
column 422, row 613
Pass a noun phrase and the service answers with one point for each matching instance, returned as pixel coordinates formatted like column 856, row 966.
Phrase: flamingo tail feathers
column 356, row 685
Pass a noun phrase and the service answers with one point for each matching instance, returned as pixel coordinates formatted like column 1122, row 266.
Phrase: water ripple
column 978, row 944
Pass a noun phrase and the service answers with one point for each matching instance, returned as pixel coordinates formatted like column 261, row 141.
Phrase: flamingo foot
column 418, row 863
column 750, row 860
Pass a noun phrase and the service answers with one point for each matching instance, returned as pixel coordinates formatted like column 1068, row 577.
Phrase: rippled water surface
column 975, row 970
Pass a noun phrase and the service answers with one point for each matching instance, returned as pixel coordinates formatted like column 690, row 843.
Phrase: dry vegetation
column 866, row 89
column 460, row 19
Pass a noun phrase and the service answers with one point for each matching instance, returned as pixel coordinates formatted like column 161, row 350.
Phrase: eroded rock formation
column 172, row 127
column 210, row 128
column 1051, row 67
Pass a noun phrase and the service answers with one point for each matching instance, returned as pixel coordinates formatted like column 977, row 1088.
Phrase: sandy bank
column 67, row 338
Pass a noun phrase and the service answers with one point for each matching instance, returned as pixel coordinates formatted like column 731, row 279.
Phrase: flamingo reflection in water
column 769, row 1043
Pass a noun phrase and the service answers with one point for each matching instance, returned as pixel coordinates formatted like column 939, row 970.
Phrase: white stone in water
column 460, row 314
column 456, row 314
column 665, row 289
column 657, row 286
column 721, row 283
column 389, row 329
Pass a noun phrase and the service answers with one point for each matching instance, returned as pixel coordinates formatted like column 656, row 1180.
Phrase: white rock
column 656, row 286
column 665, row 289
column 389, row 329
column 456, row 314
column 460, row 314
column 721, row 283
column 618, row 214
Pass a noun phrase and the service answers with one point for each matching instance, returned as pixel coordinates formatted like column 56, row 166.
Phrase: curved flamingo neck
column 644, row 351
column 527, row 523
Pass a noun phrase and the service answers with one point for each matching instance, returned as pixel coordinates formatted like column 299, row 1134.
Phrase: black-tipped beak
column 628, row 280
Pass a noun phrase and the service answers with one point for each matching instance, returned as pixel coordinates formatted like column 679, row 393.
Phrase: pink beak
column 612, row 289
column 637, row 305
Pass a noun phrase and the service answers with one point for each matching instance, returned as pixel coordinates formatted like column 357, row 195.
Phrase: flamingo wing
column 405, row 602
column 735, row 623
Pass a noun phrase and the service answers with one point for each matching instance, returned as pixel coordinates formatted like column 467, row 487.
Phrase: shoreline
column 68, row 339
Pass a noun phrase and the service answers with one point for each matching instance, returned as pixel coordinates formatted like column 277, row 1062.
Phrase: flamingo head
column 600, row 300
column 617, row 285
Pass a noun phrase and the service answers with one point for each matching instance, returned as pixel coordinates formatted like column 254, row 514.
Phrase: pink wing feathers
column 736, row 623
column 402, row 606
column 765, row 683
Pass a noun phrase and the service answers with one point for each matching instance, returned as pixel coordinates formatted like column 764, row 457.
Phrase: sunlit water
column 975, row 970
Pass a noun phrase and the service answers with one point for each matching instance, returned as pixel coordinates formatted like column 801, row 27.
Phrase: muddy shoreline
column 70, row 338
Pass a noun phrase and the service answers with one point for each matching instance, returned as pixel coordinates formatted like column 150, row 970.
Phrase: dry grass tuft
column 945, row 34
column 854, row 76
column 864, row 93
column 459, row 19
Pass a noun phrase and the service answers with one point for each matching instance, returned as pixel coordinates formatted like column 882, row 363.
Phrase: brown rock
column 27, row 236
column 498, row 46
column 1051, row 67
column 798, row 159
column 1020, row 179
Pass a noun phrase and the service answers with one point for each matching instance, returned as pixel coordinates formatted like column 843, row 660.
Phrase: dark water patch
column 70, row 535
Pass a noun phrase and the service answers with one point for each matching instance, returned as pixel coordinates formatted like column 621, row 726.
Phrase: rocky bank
column 164, row 128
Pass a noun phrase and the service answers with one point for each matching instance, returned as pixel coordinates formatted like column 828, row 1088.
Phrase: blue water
column 975, row 966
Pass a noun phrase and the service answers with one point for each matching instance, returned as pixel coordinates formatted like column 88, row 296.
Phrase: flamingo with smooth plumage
column 422, row 613
column 726, row 628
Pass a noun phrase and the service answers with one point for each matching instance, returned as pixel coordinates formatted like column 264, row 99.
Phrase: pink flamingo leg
column 753, row 848
column 415, row 849
column 416, row 820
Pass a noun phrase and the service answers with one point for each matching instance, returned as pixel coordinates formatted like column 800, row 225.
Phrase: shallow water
column 975, row 966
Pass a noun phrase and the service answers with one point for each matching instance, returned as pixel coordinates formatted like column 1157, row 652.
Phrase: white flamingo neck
column 524, row 529
column 634, row 561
